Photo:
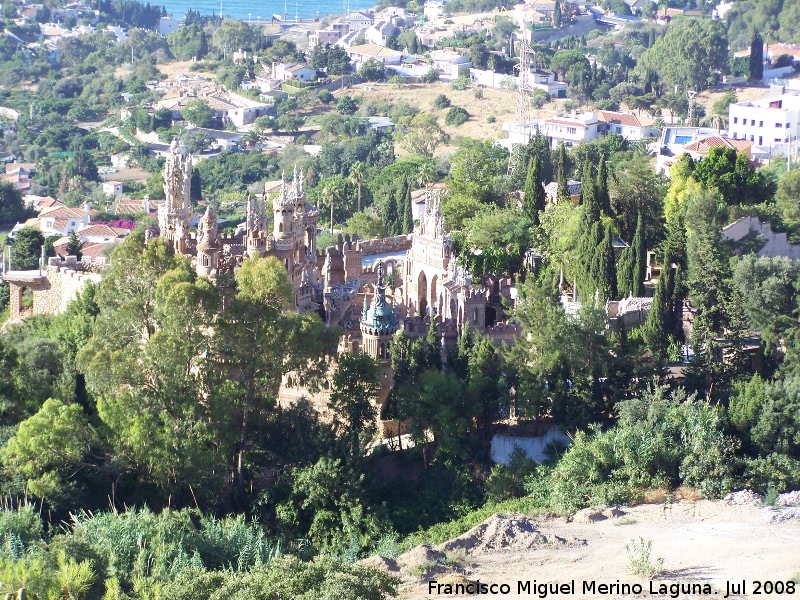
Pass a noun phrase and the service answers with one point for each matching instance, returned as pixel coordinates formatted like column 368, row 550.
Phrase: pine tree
column 756, row 57
column 601, row 187
column 533, row 200
column 563, row 187
column 74, row 245
column 639, row 259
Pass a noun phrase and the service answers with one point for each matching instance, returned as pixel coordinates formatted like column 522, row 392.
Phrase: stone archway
column 310, row 241
column 422, row 293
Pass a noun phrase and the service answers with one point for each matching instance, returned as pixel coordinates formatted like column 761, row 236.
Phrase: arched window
column 280, row 227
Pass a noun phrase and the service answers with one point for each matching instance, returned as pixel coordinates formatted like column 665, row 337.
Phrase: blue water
column 243, row 9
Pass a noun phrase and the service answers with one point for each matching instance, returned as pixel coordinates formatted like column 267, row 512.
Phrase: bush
column 460, row 84
column 441, row 102
column 430, row 77
column 507, row 482
column 774, row 471
column 325, row 96
column 660, row 441
column 491, row 119
column 539, row 98
column 456, row 116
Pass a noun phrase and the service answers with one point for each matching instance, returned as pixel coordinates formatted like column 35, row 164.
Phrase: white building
column 112, row 188
column 284, row 72
column 767, row 121
column 167, row 25
column 433, row 9
column 628, row 125
column 381, row 30
column 570, row 129
column 361, row 54
column 359, row 19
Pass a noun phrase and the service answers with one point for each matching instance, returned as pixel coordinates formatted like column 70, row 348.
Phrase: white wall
column 504, row 445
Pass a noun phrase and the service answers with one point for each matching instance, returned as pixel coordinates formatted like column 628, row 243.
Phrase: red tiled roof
column 64, row 212
column 103, row 230
column 704, row 146
column 48, row 202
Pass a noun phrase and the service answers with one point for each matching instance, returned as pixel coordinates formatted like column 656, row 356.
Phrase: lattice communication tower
column 524, row 88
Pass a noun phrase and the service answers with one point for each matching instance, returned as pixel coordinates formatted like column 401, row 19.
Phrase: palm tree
column 426, row 173
column 330, row 193
column 358, row 174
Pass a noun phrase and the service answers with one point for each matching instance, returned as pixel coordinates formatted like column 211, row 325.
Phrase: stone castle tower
column 207, row 244
column 175, row 214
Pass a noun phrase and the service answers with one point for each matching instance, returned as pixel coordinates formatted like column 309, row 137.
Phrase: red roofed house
column 700, row 148
column 628, row 125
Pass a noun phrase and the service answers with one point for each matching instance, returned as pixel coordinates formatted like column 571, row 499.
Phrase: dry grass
column 175, row 68
column 495, row 102
column 661, row 495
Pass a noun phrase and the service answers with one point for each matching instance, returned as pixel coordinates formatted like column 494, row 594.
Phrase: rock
column 744, row 498
column 500, row 532
column 590, row 515
column 788, row 499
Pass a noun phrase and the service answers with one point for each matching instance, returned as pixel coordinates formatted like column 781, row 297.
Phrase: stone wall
column 398, row 243
column 54, row 288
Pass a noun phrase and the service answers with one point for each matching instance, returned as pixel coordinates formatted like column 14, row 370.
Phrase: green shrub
column 460, row 84
column 507, row 482
column 456, row 116
column 776, row 471
column 441, row 102
column 491, row 119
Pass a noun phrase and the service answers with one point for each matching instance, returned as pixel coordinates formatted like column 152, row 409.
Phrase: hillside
column 700, row 542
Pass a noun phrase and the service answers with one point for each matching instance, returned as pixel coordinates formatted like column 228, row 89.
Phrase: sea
column 264, row 10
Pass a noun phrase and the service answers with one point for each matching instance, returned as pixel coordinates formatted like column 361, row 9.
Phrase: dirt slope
column 703, row 542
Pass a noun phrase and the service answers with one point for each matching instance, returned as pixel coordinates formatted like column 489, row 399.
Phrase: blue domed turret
column 379, row 318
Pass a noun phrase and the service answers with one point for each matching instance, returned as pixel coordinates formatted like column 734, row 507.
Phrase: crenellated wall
column 54, row 288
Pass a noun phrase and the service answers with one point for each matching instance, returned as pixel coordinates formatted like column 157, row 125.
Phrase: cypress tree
column 591, row 207
column 756, row 57
column 625, row 273
column 601, row 187
column 534, row 199
column 390, row 218
column 651, row 39
column 639, row 259
column 408, row 220
column 604, row 272
column 563, row 188
column 655, row 331
column 433, row 350
column 557, row 14
column 676, row 304
column 588, row 272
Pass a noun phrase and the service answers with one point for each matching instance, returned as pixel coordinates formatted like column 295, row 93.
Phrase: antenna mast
column 690, row 94
column 527, row 58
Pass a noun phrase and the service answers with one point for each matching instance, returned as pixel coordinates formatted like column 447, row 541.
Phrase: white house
column 433, row 9
column 381, row 30
column 112, row 188
column 167, row 25
column 767, row 121
column 628, row 125
column 283, row 72
column 570, row 129
column 361, row 54
column 449, row 63
column 545, row 80
column 359, row 19
column 59, row 220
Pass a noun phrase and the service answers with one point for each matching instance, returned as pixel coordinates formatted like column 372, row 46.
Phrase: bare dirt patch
column 711, row 542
